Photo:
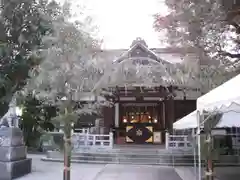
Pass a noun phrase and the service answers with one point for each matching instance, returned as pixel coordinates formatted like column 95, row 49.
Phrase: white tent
column 224, row 98
column 221, row 97
column 187, row 122
column 229, row 119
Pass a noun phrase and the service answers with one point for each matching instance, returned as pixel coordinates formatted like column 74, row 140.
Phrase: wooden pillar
column 163, row 121
column 119, row 136
column 159, row 117
column 108, row 115
column 170, row 113
column 172, row 116
column 163, row 113
column 116, row 115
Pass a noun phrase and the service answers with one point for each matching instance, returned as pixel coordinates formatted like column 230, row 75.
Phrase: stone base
column 12, row 153
column 15, row 169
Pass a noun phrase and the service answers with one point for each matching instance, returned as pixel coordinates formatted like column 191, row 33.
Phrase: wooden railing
column 177, row 142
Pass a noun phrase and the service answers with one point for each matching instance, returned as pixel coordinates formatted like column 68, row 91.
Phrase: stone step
column 159, row 163
column 110, row 158
column 130, row 158
column 131, row 161
column 136, row 151
column 159, row 159
column 125, row 155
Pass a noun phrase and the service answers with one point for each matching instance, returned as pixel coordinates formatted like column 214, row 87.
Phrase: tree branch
column 230, row 54
column 236, row 26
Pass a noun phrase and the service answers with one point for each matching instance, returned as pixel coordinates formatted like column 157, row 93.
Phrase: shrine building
column 144, row 111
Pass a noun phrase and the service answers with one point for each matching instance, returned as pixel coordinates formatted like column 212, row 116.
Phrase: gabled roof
column 166, row 55
column 139, row 46
column 164, row 66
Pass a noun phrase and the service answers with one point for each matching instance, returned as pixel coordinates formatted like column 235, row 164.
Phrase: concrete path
column 227, row 173
column 221, row 173
column 137, row 172
column 52, row 171
column 186, row 173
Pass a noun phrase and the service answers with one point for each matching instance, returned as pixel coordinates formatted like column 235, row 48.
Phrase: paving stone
column 137, row 172
column 53, row 170
column 186, row 173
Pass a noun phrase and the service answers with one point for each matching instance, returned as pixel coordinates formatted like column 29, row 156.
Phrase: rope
column 67, row 140
column 66, row 168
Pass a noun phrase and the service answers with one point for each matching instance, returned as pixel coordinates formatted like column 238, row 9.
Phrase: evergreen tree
column 22, row 25
column 36, row 117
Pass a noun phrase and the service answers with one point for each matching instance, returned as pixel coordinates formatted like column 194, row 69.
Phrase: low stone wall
column 52, row 141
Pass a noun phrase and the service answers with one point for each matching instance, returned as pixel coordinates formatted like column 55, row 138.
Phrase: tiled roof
column 168, row 66
column 171, row 55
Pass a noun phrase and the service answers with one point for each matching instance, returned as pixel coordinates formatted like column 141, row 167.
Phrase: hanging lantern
column 124, row 119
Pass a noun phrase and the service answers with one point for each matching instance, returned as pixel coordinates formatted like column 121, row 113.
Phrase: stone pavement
column 221, row 173
column 186, row 173
column 137, row 172
column 227, row 173
column 53, row 170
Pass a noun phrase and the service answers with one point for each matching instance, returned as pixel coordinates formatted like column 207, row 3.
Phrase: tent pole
column 194, row 152
column 199, row 145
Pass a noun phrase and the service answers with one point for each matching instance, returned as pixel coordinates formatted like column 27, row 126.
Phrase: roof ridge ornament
column 139, row 40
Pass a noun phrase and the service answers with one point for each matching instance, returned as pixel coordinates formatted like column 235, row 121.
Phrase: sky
column 121, row 21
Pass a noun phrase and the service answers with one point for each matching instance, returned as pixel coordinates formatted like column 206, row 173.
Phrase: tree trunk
column 67, row 149
column 210, row 168
column 209, row 161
